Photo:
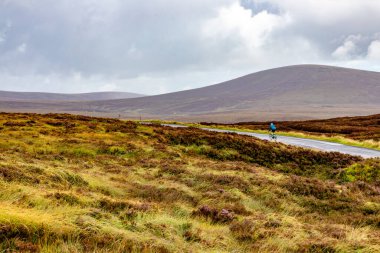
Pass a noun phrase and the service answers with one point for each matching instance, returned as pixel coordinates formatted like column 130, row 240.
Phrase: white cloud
column 253, row 40
column 235, row 20
column 330, row 12
column 374, row 50
column 345, row 50
column 349, row 48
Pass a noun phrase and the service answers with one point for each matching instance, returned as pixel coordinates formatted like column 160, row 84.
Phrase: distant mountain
column 286, row 93
column 301, row 91
column 43, row 96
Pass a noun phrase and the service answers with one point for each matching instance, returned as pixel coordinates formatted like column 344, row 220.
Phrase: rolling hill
column 44, row 96
column 286, row 93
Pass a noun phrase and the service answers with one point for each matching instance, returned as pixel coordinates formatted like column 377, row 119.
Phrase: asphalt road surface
column 306, row 143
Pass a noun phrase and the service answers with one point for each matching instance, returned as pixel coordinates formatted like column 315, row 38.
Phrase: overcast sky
column 160, row 46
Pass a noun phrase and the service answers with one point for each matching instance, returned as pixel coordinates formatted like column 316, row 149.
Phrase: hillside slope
column 44, row 96
column 287, row 93
column 292, row 90
column 81, row 184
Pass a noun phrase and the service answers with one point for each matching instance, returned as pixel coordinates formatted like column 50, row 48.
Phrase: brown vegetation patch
column 65, row 198
column 364, row 188
column 316, row 247
column 161, row 194
column 15, row 124
column 71, row 179
column 215, row 215
column 118, row 206
column 220, row 195
column 122, row 127
column 311, row 187
column 274, row 155
column 172, row 170
column 244, row 230
column 225, row 180
column 13, row 173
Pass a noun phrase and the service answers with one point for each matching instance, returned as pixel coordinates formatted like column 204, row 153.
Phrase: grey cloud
column 327, row 24
column 161, row 45
column 259, row 6
column 116, row 37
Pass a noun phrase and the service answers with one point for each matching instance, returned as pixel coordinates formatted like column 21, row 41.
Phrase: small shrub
column 237, row 208
column 161, row 194
column 334, row 232
column 15, row 124
column 9, row 231
column 272, row 223
column 13, row 173
column 226, row 180
column 69, row 178
column 366, row 171
column 55, row 123
column 119, row 206
column 243, row 230
column 18, row 245
column 122, row 127
column 129, row 217
column 66, row 198
column 189, row 234
column 316, row 247
column 365, row 188
column 371, row 208
column 172, row 170
column 113, row 150
column 311, row 187
column 82, row 152
column 215, row 215
column 327, row 206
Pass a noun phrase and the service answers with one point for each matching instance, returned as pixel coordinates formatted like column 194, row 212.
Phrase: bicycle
column 272, row 136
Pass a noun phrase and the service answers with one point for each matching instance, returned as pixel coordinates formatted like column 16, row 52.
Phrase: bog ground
column 80, row 184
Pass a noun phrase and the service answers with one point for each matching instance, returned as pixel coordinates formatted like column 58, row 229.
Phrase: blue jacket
column 272, row 127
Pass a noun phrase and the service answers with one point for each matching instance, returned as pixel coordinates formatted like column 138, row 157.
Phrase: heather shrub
column 273, row 155
column 215, row 215
column 311, row 187
column 366, row 171
column 244, row 230
column 122, row 127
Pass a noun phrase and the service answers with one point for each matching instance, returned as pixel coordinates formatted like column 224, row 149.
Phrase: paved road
column 306, row 143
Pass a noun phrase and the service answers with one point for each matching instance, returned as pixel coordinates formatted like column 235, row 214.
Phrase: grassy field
column 363, row 131
column 80, row 184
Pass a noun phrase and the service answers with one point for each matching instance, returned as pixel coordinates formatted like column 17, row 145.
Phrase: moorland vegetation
column 81, row 184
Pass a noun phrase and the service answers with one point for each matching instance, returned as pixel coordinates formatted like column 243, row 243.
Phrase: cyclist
column 272, row 130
